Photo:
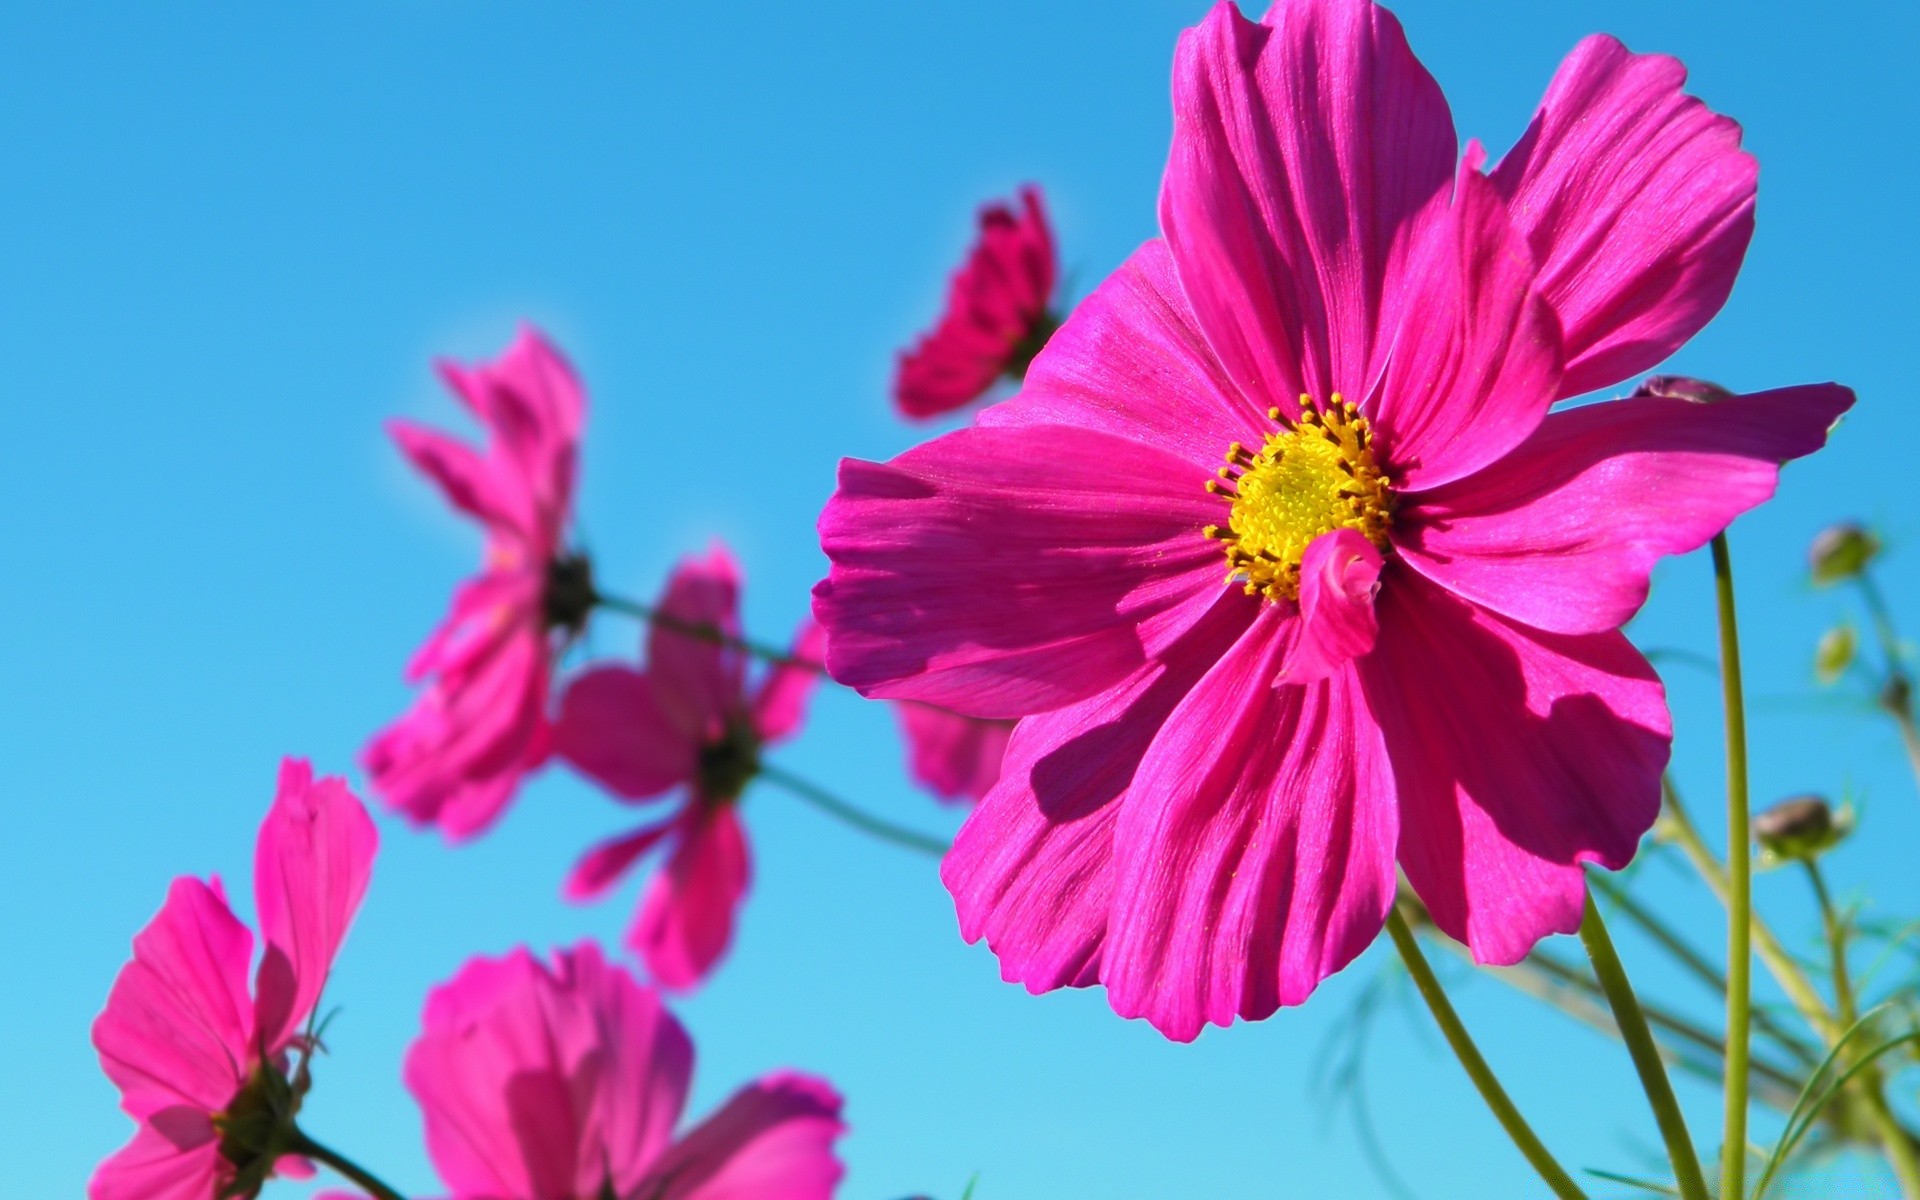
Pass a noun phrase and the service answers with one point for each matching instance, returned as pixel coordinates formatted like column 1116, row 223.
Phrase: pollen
column 1312, row 476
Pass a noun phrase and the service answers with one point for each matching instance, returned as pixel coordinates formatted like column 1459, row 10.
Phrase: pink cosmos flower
column 686, row 725
column 956, row 758
column 200, row 1066
column 997, row 315
column 565, row 1082
column 455, row 759
column 1415, row 654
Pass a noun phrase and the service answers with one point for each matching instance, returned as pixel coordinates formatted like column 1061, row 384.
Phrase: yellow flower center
column 1312, row 477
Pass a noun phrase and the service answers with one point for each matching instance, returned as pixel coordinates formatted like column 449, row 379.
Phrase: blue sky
column 234, row 236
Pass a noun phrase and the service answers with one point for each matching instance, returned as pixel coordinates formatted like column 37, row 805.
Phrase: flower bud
column 1681, row 387
column 1834, row 654
column 1802, row 827
column 1841, row 552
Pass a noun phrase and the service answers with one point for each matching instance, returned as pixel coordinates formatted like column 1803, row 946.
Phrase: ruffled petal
column 1639, row 203
column 1520, row 755
column 1300, row 146
column 773, row 1140
column 1002, row 572
column 685, row 922
column 1255, row 856
column 1339, row 574
column 183, row 1163
column 174, row 1032
column 468, row 481
column 956, row 758
column 601, row 867
column 310, row 870
column 533, row 406
column 614, row 729
column 781, row 703
column 1469, row 357
column 699, row 680
column 1563, row 533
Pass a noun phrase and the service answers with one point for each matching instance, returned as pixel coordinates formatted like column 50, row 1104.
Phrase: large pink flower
column 688, row 726
column 1414, row 656
column 956, row 758
column 200, row 1066
column 565, row 1082
column 997, row 314
column 455, row 759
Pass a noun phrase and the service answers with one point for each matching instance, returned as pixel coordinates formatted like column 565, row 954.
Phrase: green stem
column 1644, row 1051
column 828, row 803
column 703, row 631
column 306, row 1147
column 1896, row 693
column 1536, row 1154
column 1733, row 1148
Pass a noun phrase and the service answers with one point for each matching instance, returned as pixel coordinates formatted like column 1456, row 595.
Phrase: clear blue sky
column 231, row 238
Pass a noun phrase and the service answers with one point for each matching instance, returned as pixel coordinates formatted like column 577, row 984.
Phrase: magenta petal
column 601, row 867
column 1131, row 361
column 1563, row 532
column 1001, row 572
column 614, row 729
column 1300, row 146
column 1339, row 575
column 310, row 870
column 1469, row 356
column 699, row 680
column 1255, row 855
column 1639, row 203
column 1520, row 755
column 686, row 917
column 954, row 757
column 466, row 479
column 780, row 706
column 175, row 1029
column 773, row 1140
column 182, row 1164
column 533, row 407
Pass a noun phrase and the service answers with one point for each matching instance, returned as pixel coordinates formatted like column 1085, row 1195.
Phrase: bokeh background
column 232, row 238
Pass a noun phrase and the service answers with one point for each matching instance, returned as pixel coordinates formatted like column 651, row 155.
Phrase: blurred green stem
column 866, row 823
column 306, row 1147
column 1733, row 1146
column 704, row 631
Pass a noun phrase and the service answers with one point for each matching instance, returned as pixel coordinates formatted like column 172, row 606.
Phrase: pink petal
column 533, row 406
column 174, row 1032
column 781, row 704
column 1338, row 578
column 954, row 757
column 649, row 1067
column 686, row 916
column 603, row 865
column 1131, row 361
column 310, row 870
column 1469, row 356
column 469, row 482
column 614, row 729
column 1300, row 146
column 1563, row 532
column 1032, row 869
column 772, row 1141
column 1520, row 755
column 182, row 1164
column 1639, row 204
column 1255, row 853
column 698, row 680
column 1001, row 572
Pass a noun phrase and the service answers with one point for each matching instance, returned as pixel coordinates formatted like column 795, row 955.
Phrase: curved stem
column 1733, row 1147
column 828, row 803
column 1645, row 1053
column 306, row 1147
column 1536, row 1154
column 703, row 631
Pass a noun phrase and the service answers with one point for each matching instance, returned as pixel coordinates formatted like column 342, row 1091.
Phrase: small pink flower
column 457, row 756
column 686, row 724
column 954, row 757
column 1385, row 634
column 565, row 1082
column 997, row 314
column 200, row 1066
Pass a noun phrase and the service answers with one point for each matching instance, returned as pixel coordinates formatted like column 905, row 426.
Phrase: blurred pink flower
column 457, row 756
column 1415, row 657
column 955, row 757
column 997, row 314
column 201, row 1066
column 565, row 1082
column 686, row 724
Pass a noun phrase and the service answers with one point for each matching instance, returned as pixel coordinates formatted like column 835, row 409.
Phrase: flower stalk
column 362, row 1178
column 1739, row 897
column 703, row 631
column 839, row 809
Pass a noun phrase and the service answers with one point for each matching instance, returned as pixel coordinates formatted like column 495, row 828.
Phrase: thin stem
column 1896, row 694
column 1882, row 621
column 306, row 1147
column 703, row 631
column 1733, row 1147
column 828, row 803
column 1644, row 1051
column 1536, row 1154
